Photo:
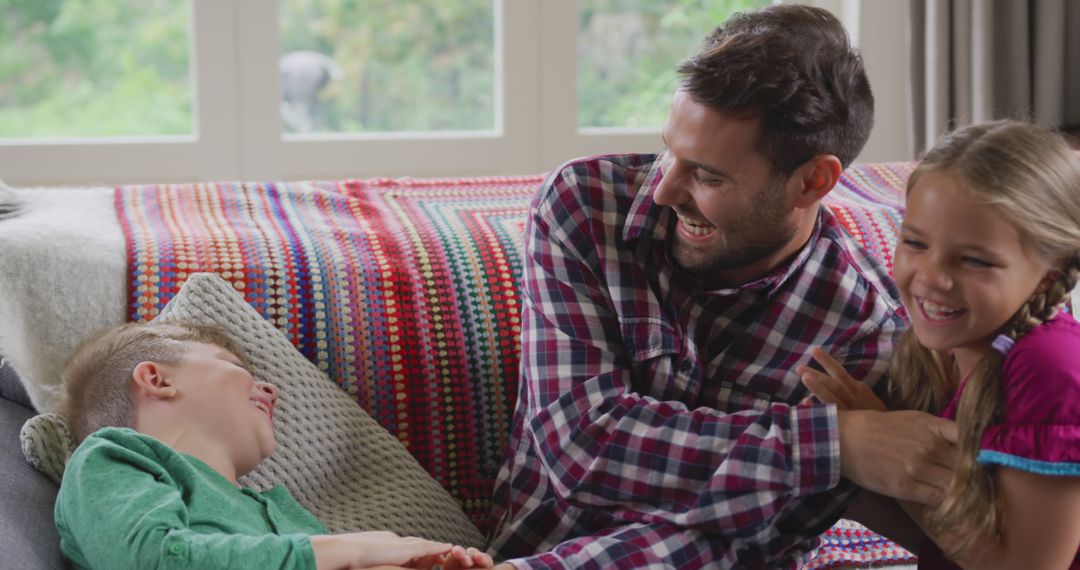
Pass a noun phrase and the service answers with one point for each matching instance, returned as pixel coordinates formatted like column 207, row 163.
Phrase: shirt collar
column 646, row 218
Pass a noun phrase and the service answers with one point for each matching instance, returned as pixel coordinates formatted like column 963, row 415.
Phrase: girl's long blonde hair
column 1033, row 179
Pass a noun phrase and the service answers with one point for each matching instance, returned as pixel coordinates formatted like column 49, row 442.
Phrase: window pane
column 628, row 51
column 94, row 68
column 352, row 66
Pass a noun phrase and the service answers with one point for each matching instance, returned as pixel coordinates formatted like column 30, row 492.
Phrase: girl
column 989, row 251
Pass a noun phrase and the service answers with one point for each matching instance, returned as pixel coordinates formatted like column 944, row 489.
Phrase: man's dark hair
column 794, row 67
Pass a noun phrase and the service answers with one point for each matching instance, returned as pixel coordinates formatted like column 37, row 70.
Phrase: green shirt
column 129, row 501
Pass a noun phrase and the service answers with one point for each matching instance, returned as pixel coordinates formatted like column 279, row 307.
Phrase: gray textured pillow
column 47, row 444
column 336, row 460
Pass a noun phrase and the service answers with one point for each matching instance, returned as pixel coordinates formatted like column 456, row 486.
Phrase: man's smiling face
column 733, row 212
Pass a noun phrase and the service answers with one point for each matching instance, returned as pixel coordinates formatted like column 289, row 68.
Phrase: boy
column 167, row 417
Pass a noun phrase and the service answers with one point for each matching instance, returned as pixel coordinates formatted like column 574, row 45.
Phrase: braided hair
column 1032, row 178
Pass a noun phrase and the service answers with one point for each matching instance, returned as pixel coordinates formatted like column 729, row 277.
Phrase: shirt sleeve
column 602, row 444
column 638, row 545
column 1040, row 432
column 119, row 509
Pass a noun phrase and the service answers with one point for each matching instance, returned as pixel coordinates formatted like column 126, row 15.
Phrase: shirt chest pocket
column 658, row 366
column 644, row 339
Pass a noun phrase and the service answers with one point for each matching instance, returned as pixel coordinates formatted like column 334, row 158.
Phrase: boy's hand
column 445, row 565
column 459, row 558
column 837, row 387
column 371, row 549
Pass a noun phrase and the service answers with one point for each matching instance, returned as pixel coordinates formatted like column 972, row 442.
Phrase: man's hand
column 907, row 455
column 837, row 386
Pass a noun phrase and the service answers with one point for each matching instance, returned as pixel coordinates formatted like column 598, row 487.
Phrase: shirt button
column 176, row 549
column 685, row 365
column 630, row 346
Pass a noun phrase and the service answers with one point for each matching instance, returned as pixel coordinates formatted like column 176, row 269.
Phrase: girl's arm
column 1041, row 529
column 1042, row 519
column 1041, row 512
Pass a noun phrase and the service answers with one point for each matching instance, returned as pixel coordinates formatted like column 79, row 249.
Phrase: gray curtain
column 976, row 60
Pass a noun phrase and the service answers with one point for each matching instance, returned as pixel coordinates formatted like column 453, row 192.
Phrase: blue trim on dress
column 1029, row 465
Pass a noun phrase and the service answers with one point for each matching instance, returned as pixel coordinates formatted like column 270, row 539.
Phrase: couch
column 403, row 292
column 27, row 536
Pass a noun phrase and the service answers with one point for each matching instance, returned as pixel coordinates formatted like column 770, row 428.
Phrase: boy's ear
column 816, row 178
column 152, row 379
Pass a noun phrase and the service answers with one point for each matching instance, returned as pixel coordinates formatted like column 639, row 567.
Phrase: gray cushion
column 47, row 444
column 333, row 457
column 337, row 461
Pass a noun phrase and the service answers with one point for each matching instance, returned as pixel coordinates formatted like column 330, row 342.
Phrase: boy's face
column 226, row 402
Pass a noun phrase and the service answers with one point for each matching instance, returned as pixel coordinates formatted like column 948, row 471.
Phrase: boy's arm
column 375, row 548
column 119, row 509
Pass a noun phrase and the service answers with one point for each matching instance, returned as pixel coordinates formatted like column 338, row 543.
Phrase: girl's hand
column 837, row 387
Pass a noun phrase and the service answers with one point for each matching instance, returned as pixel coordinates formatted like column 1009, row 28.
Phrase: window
column 94, row 68
column 628, row 51
column 300, row 89
column 387, row 66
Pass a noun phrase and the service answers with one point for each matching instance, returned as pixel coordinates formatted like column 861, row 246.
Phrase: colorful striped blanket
column 404, row 292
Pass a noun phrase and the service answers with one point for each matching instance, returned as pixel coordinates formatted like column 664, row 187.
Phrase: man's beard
column 763, row 231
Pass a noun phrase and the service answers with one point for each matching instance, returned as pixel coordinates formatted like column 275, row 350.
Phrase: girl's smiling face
column 962, row 268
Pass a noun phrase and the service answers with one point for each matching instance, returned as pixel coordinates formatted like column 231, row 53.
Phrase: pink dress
column 1040, row 432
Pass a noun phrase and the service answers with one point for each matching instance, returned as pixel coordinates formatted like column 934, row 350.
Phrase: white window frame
column 209, row 154
column 536, row 113
column 234, row 54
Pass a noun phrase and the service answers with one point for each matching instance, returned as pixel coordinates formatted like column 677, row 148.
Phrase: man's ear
column 153, row 380
column 816, row 178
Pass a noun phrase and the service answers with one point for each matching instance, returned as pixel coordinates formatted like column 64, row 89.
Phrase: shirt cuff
column 307, row 552
column 542, row 561
column 815, row 448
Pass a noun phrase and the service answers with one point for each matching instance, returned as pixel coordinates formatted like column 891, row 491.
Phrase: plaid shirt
column 656, row 424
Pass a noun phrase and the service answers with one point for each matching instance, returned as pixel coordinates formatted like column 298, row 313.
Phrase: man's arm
column 908, row 454
column 608, row 446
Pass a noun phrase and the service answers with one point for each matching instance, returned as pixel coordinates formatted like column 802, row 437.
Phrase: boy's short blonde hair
column 98, row 377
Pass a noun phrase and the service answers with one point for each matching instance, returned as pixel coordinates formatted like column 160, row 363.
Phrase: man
column 667, row 301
